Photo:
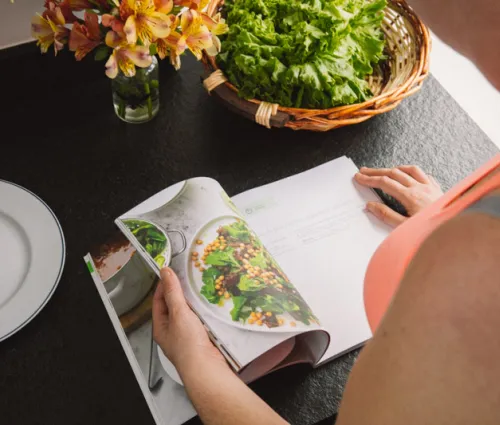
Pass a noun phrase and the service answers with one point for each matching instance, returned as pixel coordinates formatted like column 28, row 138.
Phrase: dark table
column 62, row 140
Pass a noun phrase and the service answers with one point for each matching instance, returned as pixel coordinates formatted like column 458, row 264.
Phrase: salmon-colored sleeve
column 388, row 264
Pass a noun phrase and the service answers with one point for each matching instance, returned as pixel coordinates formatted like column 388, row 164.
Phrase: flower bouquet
column 129, row 34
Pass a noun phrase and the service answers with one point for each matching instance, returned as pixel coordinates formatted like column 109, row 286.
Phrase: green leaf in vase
column 102, row 52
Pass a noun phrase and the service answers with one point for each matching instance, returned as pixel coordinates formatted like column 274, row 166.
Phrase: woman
column 434, row 356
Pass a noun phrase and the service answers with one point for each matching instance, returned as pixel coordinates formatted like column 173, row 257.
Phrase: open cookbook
column 275, row 274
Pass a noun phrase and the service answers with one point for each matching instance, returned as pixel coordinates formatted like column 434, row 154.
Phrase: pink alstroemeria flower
column 84, row 38
column 50, row 30
column 125, row 57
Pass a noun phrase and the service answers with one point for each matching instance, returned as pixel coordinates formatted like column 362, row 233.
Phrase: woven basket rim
column 419, row 72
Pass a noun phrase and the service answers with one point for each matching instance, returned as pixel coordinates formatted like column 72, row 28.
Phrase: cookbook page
column 316, row 226
column 238, row 290
column 166, row 398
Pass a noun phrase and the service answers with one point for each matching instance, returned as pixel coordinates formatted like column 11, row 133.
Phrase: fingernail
column 357, row 175
column 369, row 206
column 166, row 270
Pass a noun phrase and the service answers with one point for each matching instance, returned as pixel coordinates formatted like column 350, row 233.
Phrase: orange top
column 391, row 259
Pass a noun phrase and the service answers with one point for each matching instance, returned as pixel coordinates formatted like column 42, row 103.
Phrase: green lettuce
column 238, row 231
column 208, row 289
column 222, row 258
column 238, row 312
column 303, row 53
column 260, row 261
column 247, row 284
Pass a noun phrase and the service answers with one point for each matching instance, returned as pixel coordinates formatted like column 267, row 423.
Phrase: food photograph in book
column 224, row 266
column 233, row 272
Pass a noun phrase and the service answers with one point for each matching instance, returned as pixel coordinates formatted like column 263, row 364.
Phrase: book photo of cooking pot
column 154, row 241
column 125, row 275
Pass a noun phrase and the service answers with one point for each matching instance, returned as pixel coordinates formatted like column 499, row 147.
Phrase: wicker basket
column 401, row 75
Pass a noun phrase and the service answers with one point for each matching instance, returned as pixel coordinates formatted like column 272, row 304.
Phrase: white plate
column 208, row 233
column 32, row 255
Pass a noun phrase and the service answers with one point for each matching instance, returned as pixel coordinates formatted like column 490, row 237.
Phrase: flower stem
column 121, row 108
column 147, row 90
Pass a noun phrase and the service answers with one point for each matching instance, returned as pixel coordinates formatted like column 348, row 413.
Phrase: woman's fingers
column 434, row 181
column 393, row 173
column 172, row 290
column 388, row 185
column 160, row 314
column 408, row 184
column 385, row 214
column 416, row 172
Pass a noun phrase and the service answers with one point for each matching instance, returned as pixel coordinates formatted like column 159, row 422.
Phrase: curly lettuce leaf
column 222, row 258
column 303, row 53
column 247, row 284
column 269, row 303
column 208, row 289
column 240, row 311
column 238, row 231
column 260, row 260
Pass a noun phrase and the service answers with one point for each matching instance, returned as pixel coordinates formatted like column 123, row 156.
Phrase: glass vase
column 137, row 99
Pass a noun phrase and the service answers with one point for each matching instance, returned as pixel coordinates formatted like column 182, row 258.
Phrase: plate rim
column 61, row 266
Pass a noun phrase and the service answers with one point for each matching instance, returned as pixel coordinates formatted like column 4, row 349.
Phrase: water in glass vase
column 137, row 99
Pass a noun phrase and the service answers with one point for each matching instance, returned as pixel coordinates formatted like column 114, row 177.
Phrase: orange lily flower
column 50, row 30
column 79, row 4
column 113, row 22
column 143, row 21
column 87, row 5
column 192, row 4
column 50, row 7
column 164, row 6
column 217, row 26
column 197, row 36
column 84, row 38
column 173, row 45
column 125, row 57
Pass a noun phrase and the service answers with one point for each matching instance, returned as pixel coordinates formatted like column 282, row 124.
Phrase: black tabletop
column 61, row 140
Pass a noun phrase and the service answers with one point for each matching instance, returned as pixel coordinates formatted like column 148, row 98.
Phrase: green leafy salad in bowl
column 152, row 239
column 303, row 53
column 236, row 267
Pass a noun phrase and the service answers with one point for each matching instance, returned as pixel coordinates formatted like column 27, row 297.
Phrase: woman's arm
column 218, row 395
column 434, row 357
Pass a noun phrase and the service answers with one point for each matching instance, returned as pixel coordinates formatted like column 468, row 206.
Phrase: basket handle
column 263, row 113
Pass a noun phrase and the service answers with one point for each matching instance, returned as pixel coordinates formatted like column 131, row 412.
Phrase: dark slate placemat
column 62, row 140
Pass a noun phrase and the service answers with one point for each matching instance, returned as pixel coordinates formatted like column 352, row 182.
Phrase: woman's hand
column 217, row 393
column 408, row 184
column 177, row 330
